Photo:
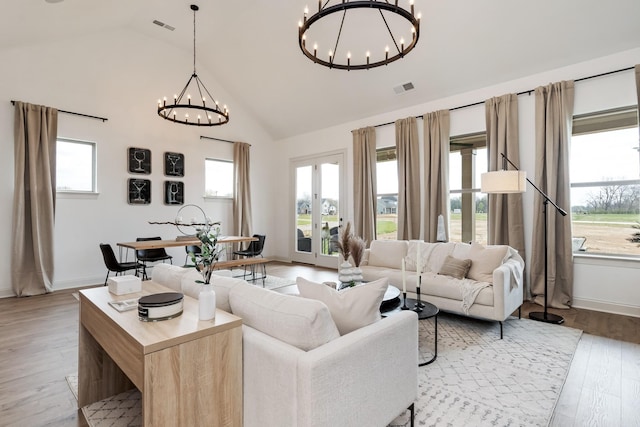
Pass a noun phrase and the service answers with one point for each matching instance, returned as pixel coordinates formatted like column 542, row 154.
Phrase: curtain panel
column 34, row 199
column 637, row 69
column 436, row 163
column 554, row 119
column 407, row 152
column 364, row 183
column 506, row 217
column 242, row 189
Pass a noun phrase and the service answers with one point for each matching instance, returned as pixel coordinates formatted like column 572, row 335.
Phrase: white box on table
column 120, row 285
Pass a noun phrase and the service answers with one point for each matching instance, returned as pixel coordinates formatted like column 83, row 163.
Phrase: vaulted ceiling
column 251, row 48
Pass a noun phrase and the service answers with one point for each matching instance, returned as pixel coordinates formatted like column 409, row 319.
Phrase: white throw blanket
column 470, row 290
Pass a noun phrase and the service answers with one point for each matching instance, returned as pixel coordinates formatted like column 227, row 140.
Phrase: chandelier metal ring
column 346, row 5
column 213, row 114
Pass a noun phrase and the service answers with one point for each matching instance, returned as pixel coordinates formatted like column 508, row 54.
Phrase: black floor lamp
column 513, row 181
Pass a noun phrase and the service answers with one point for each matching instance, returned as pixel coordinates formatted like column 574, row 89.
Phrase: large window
column 467, row 161
column 218, row 178
column 75, row 166
column 605, row 182
column 387, row 197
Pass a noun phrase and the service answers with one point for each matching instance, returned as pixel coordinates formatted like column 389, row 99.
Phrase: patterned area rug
column 480, row 380
column 477, row 380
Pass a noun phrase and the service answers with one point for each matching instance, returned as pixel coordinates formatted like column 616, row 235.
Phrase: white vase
column 207, row 303
column 345, row 272
column 356, row 274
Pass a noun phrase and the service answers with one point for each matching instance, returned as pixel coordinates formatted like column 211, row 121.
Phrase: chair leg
column 500, row 330
column 520, row 312
column 106, row 278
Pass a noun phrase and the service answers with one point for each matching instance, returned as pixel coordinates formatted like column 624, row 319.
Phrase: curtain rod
column 528, row 92
column 104, row 119
column 218, row 139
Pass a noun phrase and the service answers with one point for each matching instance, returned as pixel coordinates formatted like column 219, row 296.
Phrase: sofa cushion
column 303, row 323
column 168, row 275
column 455, row 267
column 445, row 287
column 484, row 260
column 438, row 252
column 351, row 308
column 387, row 253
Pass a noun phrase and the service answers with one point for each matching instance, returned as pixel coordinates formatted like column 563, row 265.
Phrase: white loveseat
column 491, row 289
column 298, row 370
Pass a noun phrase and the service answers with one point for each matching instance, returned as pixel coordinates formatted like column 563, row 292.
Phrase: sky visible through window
column 74, row 166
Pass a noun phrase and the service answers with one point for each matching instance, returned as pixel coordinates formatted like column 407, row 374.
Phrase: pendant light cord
column 194, row 41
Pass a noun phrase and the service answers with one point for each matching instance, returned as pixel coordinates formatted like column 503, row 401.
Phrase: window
column 218, row 178
column 605, row 182
column 75, row 166
column 467, row 161
column 387, row 197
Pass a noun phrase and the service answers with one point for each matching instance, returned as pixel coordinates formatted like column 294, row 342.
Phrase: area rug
column 480, row 380
column 477, row 379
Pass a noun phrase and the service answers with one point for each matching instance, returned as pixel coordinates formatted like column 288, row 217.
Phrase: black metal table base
column 435, row 343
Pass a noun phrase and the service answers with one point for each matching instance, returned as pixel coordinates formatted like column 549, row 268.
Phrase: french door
column 318, row 208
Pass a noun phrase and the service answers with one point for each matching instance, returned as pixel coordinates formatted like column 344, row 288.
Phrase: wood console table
column 189, row 372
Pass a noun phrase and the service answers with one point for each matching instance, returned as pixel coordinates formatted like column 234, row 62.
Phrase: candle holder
column 419, row 304
column 404, row 301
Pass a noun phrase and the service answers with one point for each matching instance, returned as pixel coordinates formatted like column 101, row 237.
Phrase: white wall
column 119, row 75
column 599, row 284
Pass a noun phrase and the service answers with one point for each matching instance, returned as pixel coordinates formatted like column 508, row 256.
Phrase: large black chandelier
column 341, row 58
column 203, row 111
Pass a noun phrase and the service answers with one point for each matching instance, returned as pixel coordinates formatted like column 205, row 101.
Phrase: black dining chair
column 114, row 265
column 191, row 248
column 151, row 255
column 254, row 250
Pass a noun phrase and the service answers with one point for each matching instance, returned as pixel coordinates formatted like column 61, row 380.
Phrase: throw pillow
column 484, row 261
column 351, row 308
column 302, row 323
column 455, row 267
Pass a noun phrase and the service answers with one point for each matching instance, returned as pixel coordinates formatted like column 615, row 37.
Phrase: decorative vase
column 356, row 275
column 207, row 302
column 345, row 272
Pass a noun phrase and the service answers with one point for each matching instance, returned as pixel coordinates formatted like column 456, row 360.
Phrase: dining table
column 180, row 241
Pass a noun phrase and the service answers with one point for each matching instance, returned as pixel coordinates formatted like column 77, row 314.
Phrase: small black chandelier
column 399, row 47
column 203, row 111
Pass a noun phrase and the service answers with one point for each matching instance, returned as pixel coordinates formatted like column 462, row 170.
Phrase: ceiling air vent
column 403, row 88
column 162, row 24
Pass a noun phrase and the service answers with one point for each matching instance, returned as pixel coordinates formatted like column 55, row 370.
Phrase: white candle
column 404, row 278
column 418, row 260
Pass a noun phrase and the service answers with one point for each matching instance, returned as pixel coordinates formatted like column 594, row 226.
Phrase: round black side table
column 428, row 311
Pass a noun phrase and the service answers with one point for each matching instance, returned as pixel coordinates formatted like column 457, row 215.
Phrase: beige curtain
column 408, row 179
column 554, row 116
column 242, row 189
column 506, row 218
column 34, row 199
column 364, row 183
column 436, row 164
column 637, row 67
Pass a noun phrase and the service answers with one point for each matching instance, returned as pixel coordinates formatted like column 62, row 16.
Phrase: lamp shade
column 501, row 182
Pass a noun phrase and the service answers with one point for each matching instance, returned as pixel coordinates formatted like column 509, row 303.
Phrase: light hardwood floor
column 39, row 347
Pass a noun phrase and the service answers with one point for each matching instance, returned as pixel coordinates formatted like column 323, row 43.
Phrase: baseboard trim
column 607, row 307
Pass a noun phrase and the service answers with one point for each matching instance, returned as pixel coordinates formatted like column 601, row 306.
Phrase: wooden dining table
column 177, row 242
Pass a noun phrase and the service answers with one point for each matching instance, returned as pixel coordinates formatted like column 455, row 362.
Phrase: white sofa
column 298, row 370
column 495, row 276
